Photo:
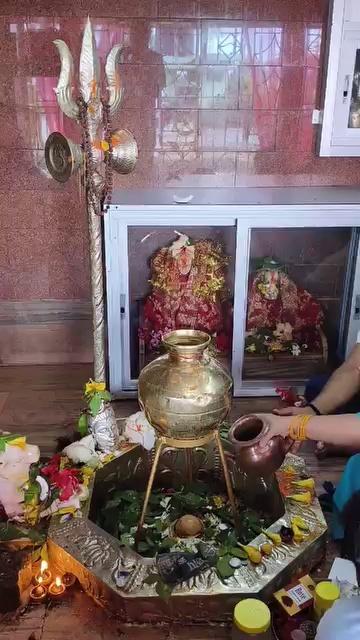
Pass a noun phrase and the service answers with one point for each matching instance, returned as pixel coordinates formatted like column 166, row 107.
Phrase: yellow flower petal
column 94, row 387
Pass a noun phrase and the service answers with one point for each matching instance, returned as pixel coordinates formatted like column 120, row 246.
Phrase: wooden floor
column 43, row 402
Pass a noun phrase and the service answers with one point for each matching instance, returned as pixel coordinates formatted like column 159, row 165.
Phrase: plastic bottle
column 252, row 619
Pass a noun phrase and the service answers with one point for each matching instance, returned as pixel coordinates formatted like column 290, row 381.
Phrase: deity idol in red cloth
column 189, row 291
column 281, row 316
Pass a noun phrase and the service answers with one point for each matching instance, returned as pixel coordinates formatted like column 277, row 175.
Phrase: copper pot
column 245, row 436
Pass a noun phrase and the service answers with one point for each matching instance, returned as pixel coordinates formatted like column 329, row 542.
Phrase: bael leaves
column 223, row 567
column 95, row 404
column 83, row 425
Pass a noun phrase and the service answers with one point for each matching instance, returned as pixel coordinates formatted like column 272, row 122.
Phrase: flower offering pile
column 281, row 317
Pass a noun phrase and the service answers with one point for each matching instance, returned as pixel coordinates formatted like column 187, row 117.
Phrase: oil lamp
column 56, row 588
column 38, row 593
column 68, row 579
column 44, row 575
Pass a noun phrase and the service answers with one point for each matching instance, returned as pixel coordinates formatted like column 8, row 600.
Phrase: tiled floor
column 43, row 403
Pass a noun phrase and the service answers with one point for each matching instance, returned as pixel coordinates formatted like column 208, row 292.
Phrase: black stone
column 178, row 567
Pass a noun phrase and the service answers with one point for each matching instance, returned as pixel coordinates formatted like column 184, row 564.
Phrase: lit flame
column 44, row 565
column 58, row 581
column 40, row 580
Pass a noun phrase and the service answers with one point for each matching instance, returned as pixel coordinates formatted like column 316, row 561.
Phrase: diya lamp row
column 44, row 585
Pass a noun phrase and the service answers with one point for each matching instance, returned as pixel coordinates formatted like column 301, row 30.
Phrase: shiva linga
column 185, row 395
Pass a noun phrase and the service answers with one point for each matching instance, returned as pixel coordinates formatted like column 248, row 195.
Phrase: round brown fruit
column 188, row 526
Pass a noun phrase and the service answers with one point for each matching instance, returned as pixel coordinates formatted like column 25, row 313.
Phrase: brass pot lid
column 62, row 156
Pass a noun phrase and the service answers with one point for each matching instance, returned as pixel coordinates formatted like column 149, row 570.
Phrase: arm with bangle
column 337, row 430
column 341, row 386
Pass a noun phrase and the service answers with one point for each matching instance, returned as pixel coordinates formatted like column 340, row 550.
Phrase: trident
column 102, row 151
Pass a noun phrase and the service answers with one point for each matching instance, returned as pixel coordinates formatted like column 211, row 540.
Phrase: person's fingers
column 285, row 411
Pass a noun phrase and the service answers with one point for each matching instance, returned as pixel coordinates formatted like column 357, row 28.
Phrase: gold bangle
column 298, row 427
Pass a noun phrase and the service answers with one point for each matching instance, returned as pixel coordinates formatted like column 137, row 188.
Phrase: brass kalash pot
column 185, row 395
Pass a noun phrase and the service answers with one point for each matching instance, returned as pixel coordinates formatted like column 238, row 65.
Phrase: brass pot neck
column 187, row 345
column 180, row 356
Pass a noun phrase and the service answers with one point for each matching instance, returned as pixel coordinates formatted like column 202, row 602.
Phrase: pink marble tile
column 141, row 39
column 65, row 209
column 147, row 86
column 291, row 88
column 275, row 10
column 311, row 87
column 196, row 169
column 335, row 171
column 177, row 130
column 237, row 130
column 28, row 262
column 246, row 87
column 69, row 272
column 266, row 87
column 33, row 91
column 178, row 8
column 273, row 169
column 36, row 53
column 264, row 43
column 294, row 44
column 313, row 41
column 11, row 129
column 176, row 42
column 233, row 9
column 181, row 88
column 223, row 42
column 25, row 170
column 219, row 87
column 286, row 10
column 295, row 130
column 176, row 169
column 144, row 124
column 205, row 86
column 145, row 175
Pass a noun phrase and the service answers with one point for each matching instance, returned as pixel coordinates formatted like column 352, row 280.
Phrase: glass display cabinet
column 276, row 286
column 340, row 131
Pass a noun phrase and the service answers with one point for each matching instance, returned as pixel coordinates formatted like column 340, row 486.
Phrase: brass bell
column 62, row 156
column 124, row 151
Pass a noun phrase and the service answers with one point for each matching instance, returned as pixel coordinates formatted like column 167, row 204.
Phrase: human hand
column 274, row 426
column 294, row 411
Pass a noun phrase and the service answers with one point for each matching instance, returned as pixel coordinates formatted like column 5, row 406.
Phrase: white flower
column 295, row 350
column 139, row 430
column 82, row 451
column 212, row 520
column 165, row 502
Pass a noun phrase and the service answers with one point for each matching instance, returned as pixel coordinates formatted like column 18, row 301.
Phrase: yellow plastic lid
column 326, row 593
column 252, row 616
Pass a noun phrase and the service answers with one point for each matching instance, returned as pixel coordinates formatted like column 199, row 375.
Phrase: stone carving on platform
column 102, row 151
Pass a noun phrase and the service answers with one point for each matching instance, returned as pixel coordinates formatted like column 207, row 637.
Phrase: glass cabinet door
column 295, row 303
column 346, row 126
column 178, row 277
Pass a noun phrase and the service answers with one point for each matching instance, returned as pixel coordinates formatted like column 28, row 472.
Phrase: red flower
column 52, row 466
column 67, row 481
column 223, row 342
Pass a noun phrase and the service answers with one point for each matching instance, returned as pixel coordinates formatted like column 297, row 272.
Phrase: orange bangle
column 297, row 427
